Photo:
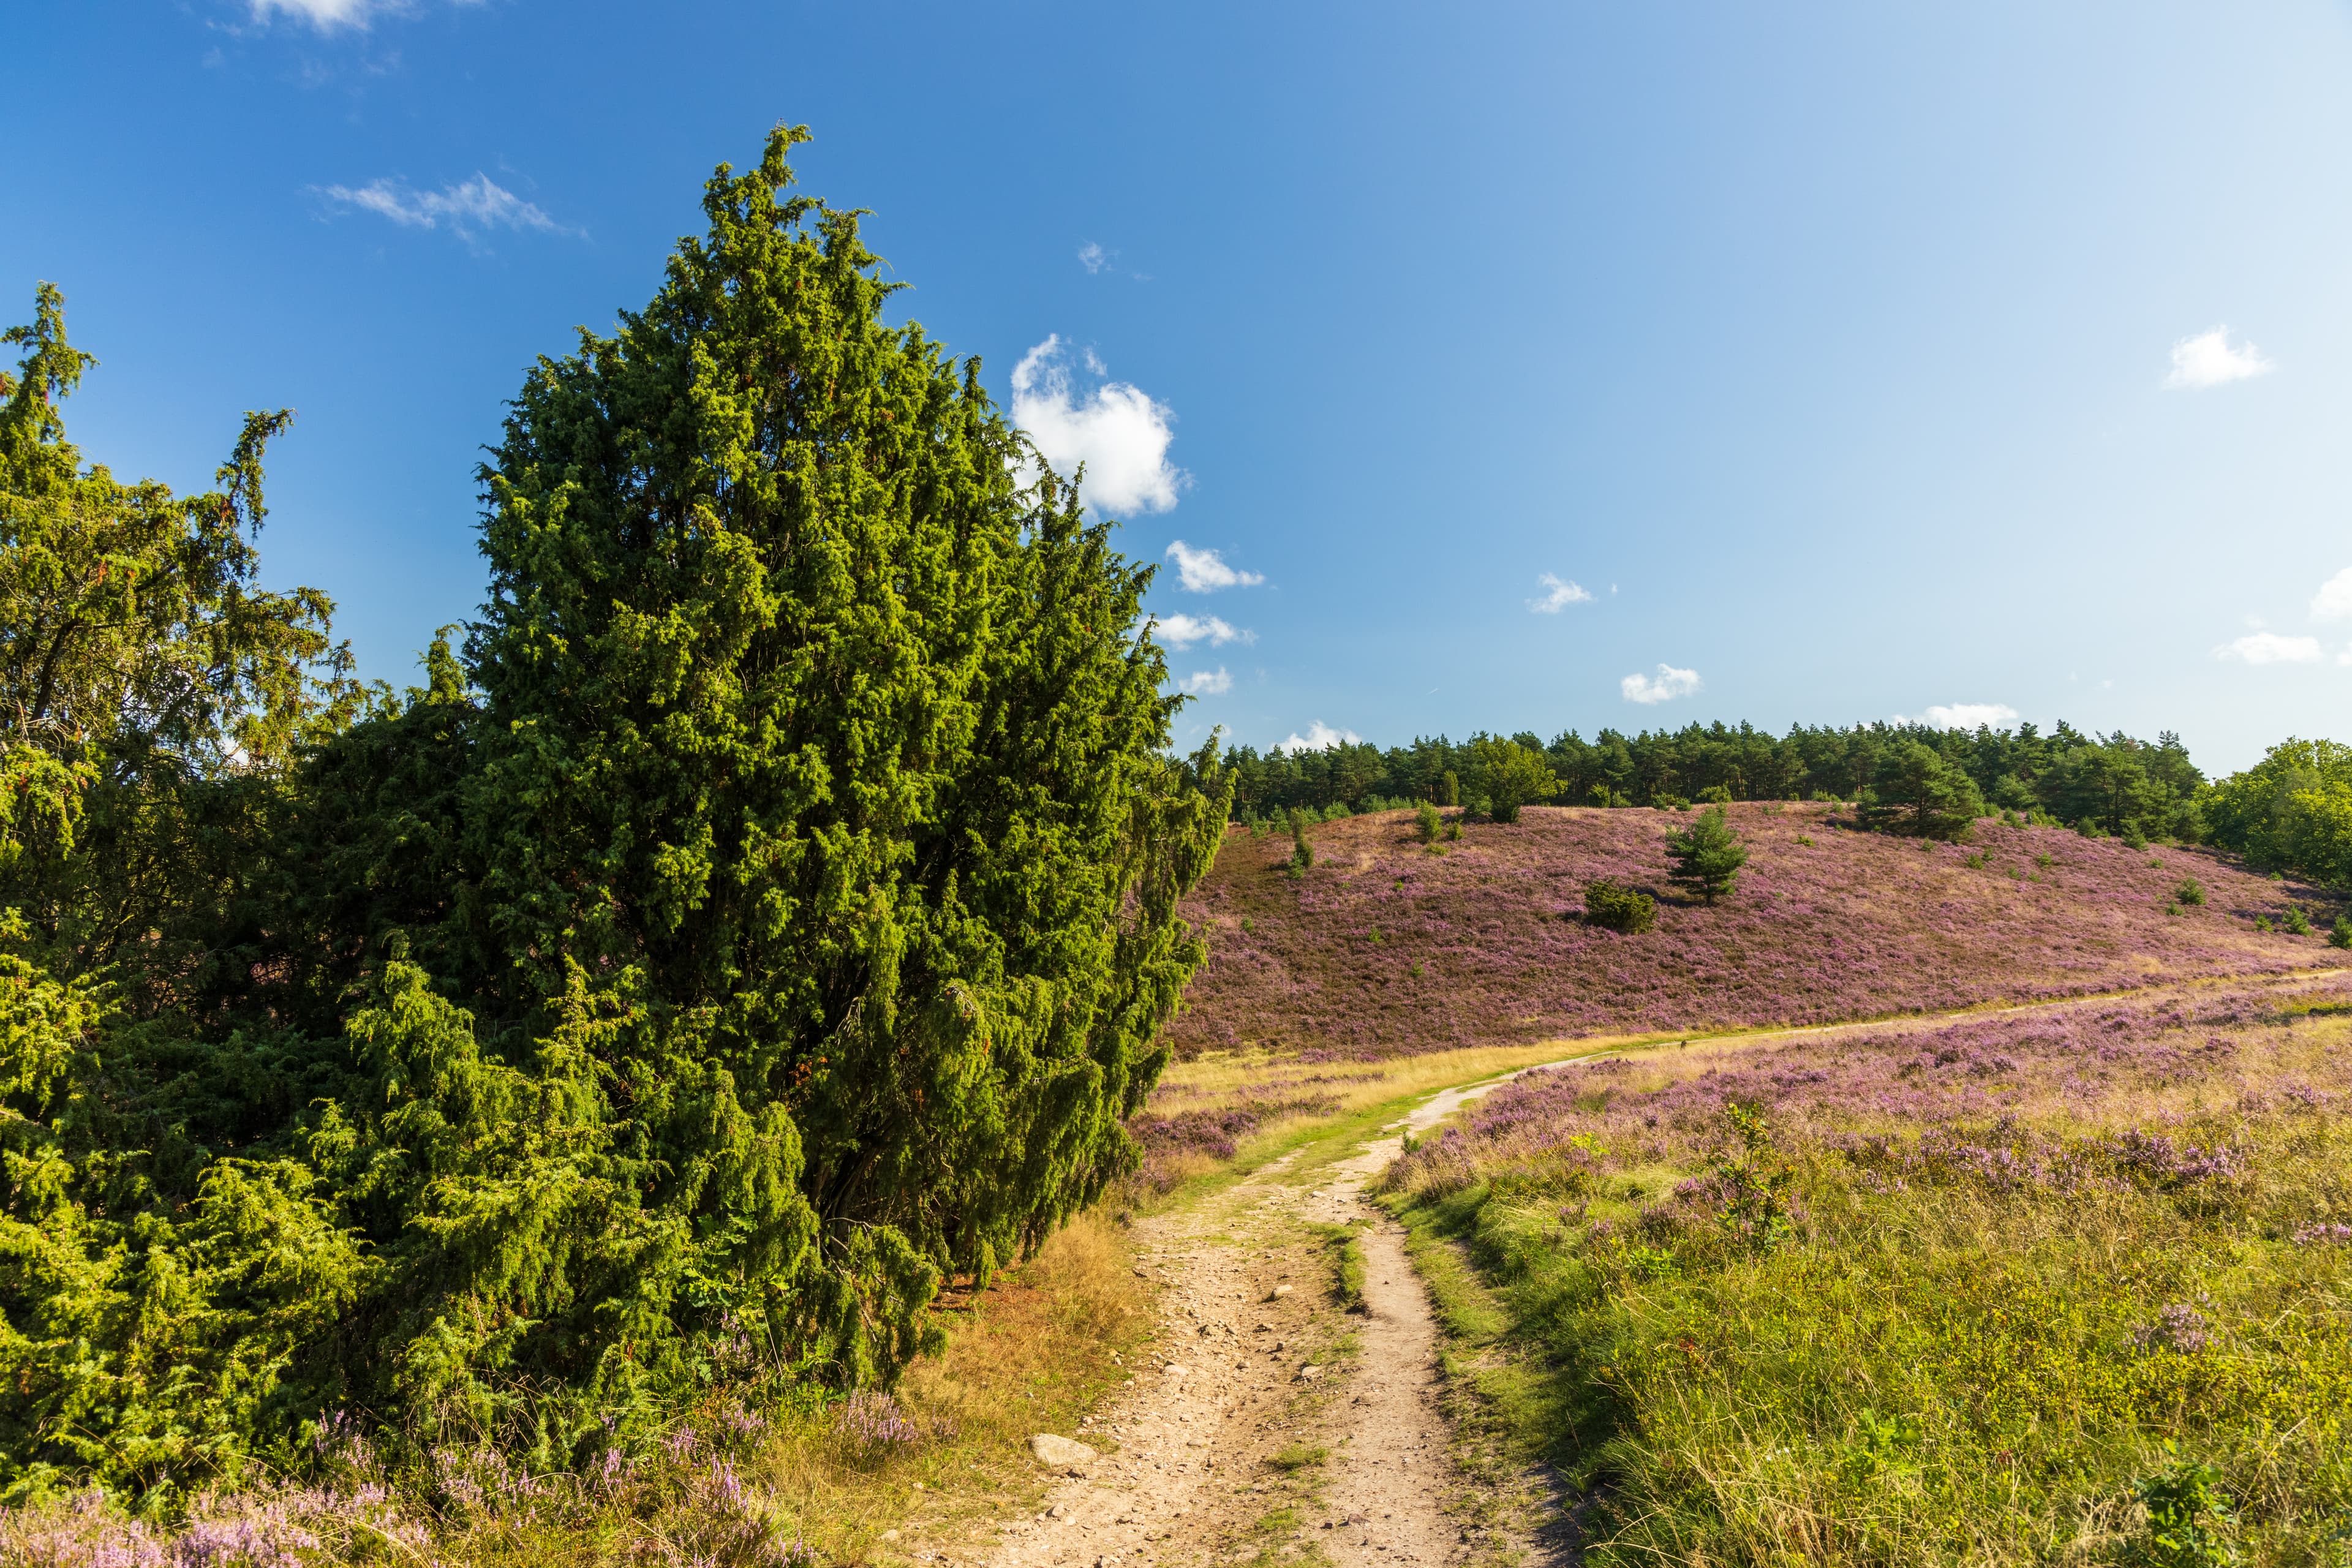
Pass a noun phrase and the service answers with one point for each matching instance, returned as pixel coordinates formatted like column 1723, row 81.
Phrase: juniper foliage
column 766, row 910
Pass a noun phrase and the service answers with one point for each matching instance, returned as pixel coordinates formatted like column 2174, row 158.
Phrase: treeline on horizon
column 2110, row 781
column 2291, row 812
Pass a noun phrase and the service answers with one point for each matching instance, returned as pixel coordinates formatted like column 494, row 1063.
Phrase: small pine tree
column 2341, row 934
column 1706, row 856
column 2190, row 891
column 1428, row 822
column 1302, row 853
column 1449, row 789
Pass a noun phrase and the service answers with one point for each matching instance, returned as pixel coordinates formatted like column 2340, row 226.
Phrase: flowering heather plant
column 2040, row 1243
column 872, row 1426
column 269, row 1527
column 1853, row 925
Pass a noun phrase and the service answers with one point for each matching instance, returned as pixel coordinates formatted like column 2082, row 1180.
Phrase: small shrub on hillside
column 1615, row 907
column 1715, row 795
column 1302, row 853
column 1453, row 830
column 2262, row 923
column 1757, row 1210
column 2297, row 922
column 2341, row 935
column 2133, row 838
column 1427, row 823
column 1706, row 856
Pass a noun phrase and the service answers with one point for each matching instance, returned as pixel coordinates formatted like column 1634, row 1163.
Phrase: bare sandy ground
column 1272, row 1424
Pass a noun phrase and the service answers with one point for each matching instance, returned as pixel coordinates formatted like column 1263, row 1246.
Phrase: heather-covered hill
column 1387, row 947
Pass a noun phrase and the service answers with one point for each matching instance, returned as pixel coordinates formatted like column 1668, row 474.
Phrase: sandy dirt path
column 1267, row 1423
column 1270, row 1424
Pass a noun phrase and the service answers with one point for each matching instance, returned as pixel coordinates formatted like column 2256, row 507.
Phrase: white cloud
column 477, row 204
column 1205, row 572
column 324, row 15
column 1966, row 715
column 1093, row 257
column 2269, row 648
column 2208, row 359
column 1181, row 632
column 1208, row 682
column 2334, row 600
column 1558, row 595
column 1669, row 684
column 1115, row 430
column 1319, row 737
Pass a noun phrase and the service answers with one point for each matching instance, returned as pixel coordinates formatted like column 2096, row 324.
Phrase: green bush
column 2190, row 892
column 1426, row 822
column 1706, row 856
column 1615, row 907
column 2340, row 935
column 1302, row 853
column 2296, row 923
column 1509, row 776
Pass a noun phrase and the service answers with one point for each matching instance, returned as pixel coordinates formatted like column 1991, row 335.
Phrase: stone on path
column 1061, row 1454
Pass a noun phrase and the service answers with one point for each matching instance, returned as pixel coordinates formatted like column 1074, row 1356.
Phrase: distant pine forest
column 2110, row 781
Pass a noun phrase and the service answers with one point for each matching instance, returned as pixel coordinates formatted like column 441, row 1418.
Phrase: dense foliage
column 2113, row 783
column 769, row 910
column 2291, row 812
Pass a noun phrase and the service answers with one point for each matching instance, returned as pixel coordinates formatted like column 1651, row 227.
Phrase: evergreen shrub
column 1613, row 906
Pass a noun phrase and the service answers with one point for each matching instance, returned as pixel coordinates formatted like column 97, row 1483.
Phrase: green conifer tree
column 1706, row 856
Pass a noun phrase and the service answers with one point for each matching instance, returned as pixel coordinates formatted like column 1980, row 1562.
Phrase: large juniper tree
column 829, row 758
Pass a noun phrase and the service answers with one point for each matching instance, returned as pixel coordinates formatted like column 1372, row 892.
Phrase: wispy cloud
column 1181, row 632
column 1319, row 737
column 465, row 208
column 2208, row 359
column 1668, row 684
column 1558, row 595
column 2270, row 647
column 2334, row 600
column 1205, row 572
column 1208, row 682
column 1093, row 257
column 1965, row 716
column 327, row 16
column 1117, row 432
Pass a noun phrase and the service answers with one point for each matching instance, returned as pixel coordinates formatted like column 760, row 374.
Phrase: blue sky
column 1848, row 360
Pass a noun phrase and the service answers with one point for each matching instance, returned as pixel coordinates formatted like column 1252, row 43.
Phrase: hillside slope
column 1385, row 948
